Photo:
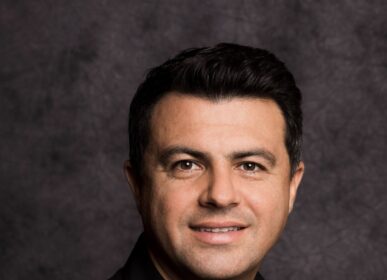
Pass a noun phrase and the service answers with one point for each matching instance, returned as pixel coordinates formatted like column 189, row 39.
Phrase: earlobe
column 133, row 182
column 294, row 184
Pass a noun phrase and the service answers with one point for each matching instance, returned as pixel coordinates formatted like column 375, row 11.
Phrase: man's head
column 215, row 144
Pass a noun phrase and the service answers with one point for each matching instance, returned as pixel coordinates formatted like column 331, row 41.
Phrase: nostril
column 220, row 199
column 219, row 191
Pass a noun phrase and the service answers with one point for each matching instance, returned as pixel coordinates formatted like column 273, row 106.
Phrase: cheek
column 168, row 207
column 269, row 202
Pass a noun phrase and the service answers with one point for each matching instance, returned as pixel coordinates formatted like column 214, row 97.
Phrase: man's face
column 218, row 191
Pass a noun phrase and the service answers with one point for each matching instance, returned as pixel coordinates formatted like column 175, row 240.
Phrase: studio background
column 68, row 70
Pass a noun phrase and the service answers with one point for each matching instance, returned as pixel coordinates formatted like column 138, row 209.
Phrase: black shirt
column 140, row 267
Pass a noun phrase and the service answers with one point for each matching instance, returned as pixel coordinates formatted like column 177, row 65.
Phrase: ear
column 294, row 183
column 133, row 181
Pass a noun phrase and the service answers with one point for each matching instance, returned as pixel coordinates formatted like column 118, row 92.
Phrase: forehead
column 179, row 117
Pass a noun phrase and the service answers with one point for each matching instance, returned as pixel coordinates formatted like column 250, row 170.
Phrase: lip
column 217, row 224
column 219, row 237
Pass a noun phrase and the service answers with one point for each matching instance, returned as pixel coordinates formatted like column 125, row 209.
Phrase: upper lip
column 217, row 224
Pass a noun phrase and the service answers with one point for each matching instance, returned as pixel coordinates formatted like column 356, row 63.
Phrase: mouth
column 226, row 233
column 217, row 229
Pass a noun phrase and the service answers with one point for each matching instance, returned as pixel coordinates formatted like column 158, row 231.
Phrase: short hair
column 215, row 73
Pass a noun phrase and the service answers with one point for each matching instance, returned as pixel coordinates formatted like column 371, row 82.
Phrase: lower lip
column 219, row 238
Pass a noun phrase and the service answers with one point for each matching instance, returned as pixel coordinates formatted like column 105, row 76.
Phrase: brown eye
column 251, row 167
column 185, row 169
column 186, row 165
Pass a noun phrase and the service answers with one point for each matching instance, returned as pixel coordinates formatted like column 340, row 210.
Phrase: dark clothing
column 140, row 267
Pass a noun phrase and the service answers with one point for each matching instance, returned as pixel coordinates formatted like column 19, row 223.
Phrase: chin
column 219, row 273
column 219, row 267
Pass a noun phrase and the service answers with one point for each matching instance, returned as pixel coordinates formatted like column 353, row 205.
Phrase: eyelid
column 175, row 164
column 260, row 166
column 176, row 171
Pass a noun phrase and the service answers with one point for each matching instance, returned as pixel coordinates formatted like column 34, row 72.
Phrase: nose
column 220, row 191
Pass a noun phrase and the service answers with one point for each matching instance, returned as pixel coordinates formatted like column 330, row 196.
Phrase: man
column 215, row 144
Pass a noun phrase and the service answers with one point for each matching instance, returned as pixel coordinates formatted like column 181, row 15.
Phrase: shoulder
column 117, row 276
column 139, row 265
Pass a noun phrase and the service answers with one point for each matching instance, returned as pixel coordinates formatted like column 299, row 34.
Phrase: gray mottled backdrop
column 68, row 70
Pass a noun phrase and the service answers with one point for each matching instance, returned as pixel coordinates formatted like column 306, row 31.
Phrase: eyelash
column 257, row 167
column 176, row 165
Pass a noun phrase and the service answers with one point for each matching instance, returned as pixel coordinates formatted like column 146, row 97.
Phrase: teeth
column 222, row 229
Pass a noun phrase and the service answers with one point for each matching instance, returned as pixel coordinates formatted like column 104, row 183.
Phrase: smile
column 217, row 229
column 219, row 233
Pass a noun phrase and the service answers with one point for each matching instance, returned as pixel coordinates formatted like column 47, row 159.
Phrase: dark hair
column 223, row 71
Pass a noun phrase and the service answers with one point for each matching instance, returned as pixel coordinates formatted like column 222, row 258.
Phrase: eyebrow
column 174, row 150
column 267, row 155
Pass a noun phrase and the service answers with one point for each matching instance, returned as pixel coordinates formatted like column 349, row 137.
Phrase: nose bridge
column 220, row 191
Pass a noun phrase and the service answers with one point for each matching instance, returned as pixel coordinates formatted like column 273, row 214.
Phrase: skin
column 209, row 166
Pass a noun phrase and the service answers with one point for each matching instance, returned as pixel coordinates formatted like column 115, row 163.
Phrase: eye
column 184, row 169
column 251, row 167
column 186, row 165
